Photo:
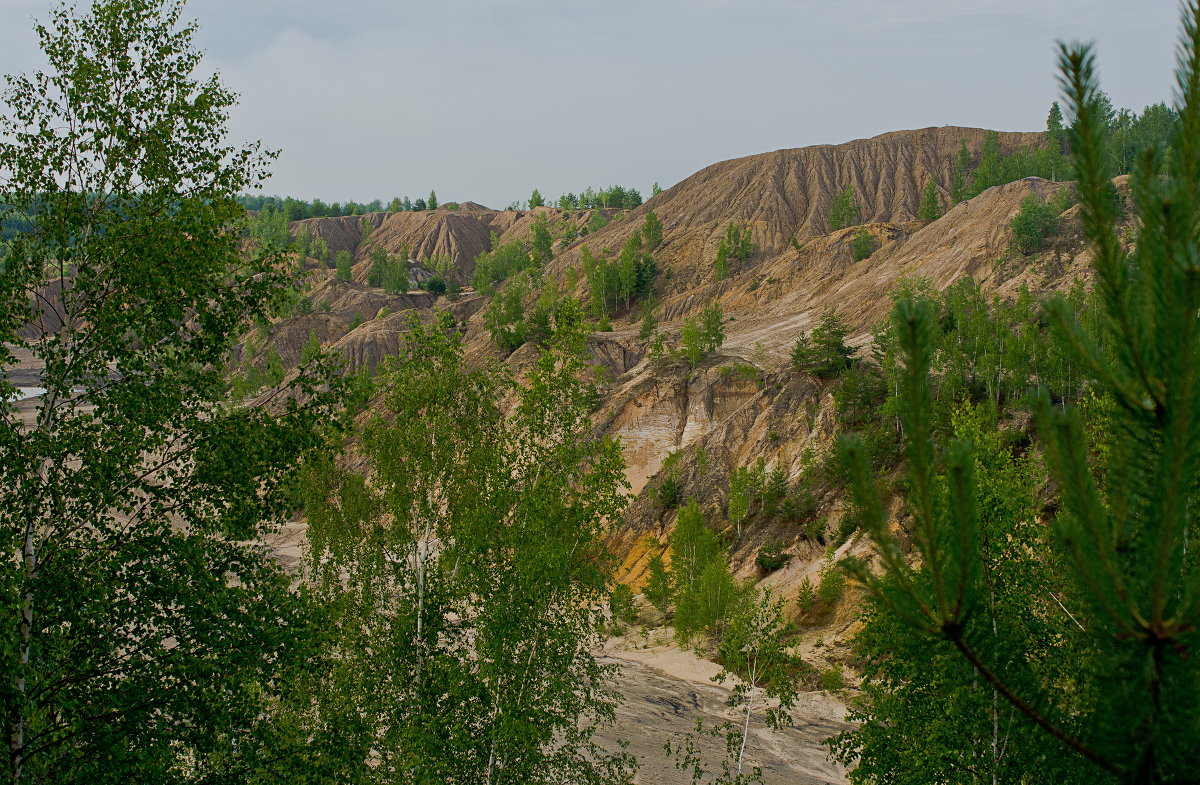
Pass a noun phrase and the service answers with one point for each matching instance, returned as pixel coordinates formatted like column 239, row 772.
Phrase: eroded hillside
column 742, row 405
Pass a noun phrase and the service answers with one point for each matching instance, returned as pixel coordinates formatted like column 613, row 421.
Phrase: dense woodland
column 1025, row 468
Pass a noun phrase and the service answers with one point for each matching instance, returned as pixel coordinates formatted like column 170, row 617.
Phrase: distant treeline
column 298, row 209
column 1128, row 133
column 613, row 196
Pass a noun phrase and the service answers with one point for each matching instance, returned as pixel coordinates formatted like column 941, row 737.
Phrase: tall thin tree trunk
column 745, row 728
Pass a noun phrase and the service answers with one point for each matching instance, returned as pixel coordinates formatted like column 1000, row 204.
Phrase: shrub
column 1036, row 220
column 863, row 245
column 670, row 492
column 772, row 557
column 831, row 584
column 833, row 679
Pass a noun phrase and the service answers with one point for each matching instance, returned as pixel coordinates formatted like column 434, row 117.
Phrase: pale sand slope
column 665, row 689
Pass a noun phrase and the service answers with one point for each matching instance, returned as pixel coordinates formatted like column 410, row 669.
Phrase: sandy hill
column 459, row 234
column 786, row 194
column 730, row 417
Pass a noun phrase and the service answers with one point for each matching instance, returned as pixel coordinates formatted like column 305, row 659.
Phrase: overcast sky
column 488, row 99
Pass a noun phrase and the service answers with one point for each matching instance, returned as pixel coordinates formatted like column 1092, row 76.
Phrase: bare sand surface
column 665, row 689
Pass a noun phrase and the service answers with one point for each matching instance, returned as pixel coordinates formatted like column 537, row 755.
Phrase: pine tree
column 1055, row 134
column 823, row 352
column 536, row 200
column 958, row 189
column 987, row 174
column 432, row 201
column 931, row 208
column 1126, row 514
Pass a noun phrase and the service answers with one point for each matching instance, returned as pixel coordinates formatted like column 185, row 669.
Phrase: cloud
column 487, row 99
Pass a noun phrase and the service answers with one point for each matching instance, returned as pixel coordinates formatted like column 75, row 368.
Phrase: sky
column 486, row 100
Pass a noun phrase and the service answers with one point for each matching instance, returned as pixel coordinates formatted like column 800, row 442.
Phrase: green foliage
column 659, row 590
column 652, row 231
column 297, row 209
column 311, row 351
column 806, row 597
column 863, row 245
column 931, row 206
column 616, row 284
column 505, row 316
column 435, row 284
column 541, row 244
column 342, row 264
column 596, row 222
column 148, row 633
column 613, row 196
column 462, row 583
column 669, row 491
column 746, row 486
column 432, row 202
column 987, row 173
column 721, row 264
column 958, row 188
column 379, row 261
column 737, row 244
column 830, row 584
column 649, row 320
column 712, row 334
column 1099, row 690
column 771, row 556
column 843, row 210
column 391, row 271
column 706, row 596
column 754, row 650
column 536, row 200
column 620, row 602
column 1035, row 220
column 269, row 228
column 824, row 352
column 833, row 678
column 499, row 264
column 691, row 342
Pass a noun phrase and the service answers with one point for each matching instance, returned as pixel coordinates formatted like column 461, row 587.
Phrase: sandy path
column 665, row 689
